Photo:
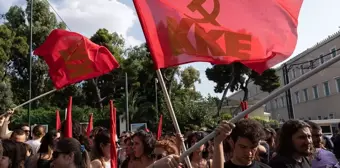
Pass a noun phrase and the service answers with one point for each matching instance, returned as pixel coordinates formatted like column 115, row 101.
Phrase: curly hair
column 197, row 136
column 148, row 141
column 250, row 129
column 168, row 145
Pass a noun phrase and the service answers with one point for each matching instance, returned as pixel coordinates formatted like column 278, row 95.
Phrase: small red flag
column 113, row 135
column 159, row 131
column 244, row 106
column 257, row 33
column 57, row 120
column 68, row 125
column 90, row 125
column 72, row 57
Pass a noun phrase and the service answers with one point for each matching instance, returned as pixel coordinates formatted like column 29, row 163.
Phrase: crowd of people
column 245, row 144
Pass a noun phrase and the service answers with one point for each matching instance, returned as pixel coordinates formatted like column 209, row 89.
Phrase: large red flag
column 72, row 57
column 90, row 125
column 57, row 120
column 159, row 131
column 113, row 135
column 68, row 125
column 257, row 33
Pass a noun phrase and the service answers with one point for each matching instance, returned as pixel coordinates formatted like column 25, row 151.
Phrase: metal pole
column 263, row 101
column 127, row 103
column 30, row 66
column 172, row 113
column 289, row 103
column 156, row 94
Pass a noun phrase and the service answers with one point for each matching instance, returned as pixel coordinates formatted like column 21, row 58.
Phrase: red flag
column 90, row 125
column 68, row 125
column 57, row 120
column 244, row 106
column 159, row 131
column 113, row 135
column 257, row 33
column 72, row 57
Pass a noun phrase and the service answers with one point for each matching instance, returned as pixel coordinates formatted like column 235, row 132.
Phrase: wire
column 55, row 11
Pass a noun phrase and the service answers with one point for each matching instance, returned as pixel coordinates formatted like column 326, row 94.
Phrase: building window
column 302, row 71
column 326, row 89
column 297, row 97
column 316, row 92
column 319, row 117
column 305, row 94
column 322, row 59
column 333, row 50
column 276, row 104
column 337, row 82
column 293, row 73
column 331, row 116
column 283, row 101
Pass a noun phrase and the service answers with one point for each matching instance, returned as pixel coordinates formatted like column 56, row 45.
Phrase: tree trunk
column 232, row 81
column 245, row 90
column 99, row 99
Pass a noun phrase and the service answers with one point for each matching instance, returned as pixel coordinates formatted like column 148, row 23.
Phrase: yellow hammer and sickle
column 196, row 5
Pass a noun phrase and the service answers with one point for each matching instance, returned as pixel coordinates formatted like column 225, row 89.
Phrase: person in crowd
column 336, row 149
column 71, row 154
column 199, row 158
column 44, row 155
column 14, row 154
column 122, row 155
column 143, row 145
column 18, row 135
column 270, row 139
column 322, row 157
column 244, row 137
column 5, row 133
column 26, row 129
column 76, row 134
column 129, row 154
column 101, row 152
column 37, row 134
column 164, row 148
column 170, row 161
column 211, row 149
column 295, row 145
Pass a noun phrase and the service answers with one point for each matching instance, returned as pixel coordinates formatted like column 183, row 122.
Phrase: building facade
column 316, row 98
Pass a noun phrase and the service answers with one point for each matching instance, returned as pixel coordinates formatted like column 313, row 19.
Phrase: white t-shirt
column 35, row 145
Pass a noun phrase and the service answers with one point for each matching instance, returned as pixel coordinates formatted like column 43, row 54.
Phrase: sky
column 317, row 21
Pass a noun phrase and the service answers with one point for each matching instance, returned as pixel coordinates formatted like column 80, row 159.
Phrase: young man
column 295, row 145
column 37, row 134
column 244, row 140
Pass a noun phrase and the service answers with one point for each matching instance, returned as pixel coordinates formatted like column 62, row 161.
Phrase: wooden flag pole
column 264, row 101
column 172, row 112
column 35, row 98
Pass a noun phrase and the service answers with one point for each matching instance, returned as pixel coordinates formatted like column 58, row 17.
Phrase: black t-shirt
column 255, row 164
column 288, row 162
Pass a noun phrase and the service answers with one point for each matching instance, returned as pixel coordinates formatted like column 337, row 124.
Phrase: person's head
column 77, row 134
column 14, row 154
column 316, row 134
column 38, row 132
column 245, row 139
column 48, row 142
column 143, row 144
column 295, row 139
column 95, row 131
column 270, row 137
column 102, row 145
column 26, row 129
column 19, row 135
column 193, row 138
column 70, row 153
column 164, row 148
column 128, row 146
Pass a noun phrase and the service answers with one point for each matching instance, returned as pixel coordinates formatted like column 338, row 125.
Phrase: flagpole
column 30, row 67
column 127, row 103
column 171, row 111
column 264, row 101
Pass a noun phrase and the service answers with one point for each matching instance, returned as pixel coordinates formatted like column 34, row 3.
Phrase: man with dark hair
column 244, row 139
column 37, row 134
column 18, row 135
column 295, row 145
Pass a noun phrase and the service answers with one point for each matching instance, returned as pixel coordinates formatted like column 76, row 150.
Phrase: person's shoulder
column 261, row 165
column 279, row 162
column 96, row 163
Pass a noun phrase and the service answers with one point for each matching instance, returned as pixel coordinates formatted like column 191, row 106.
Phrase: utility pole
column 290, row 109
column 30, row 66
column 127, row 103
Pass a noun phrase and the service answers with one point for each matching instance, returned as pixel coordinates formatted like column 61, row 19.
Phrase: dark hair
column 102, row 137
column 313, row 125
column 16, row 152
column 198, row 136
column 47, row 142
column 38, row 131
column 71, row 145
column 95, row 131
column 148, row 141
column 248, row 128
column 288, row 129
column 77, row 134
column 17, row 132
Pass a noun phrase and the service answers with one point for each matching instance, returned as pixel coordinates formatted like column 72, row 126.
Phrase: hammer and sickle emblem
column 196, row 5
